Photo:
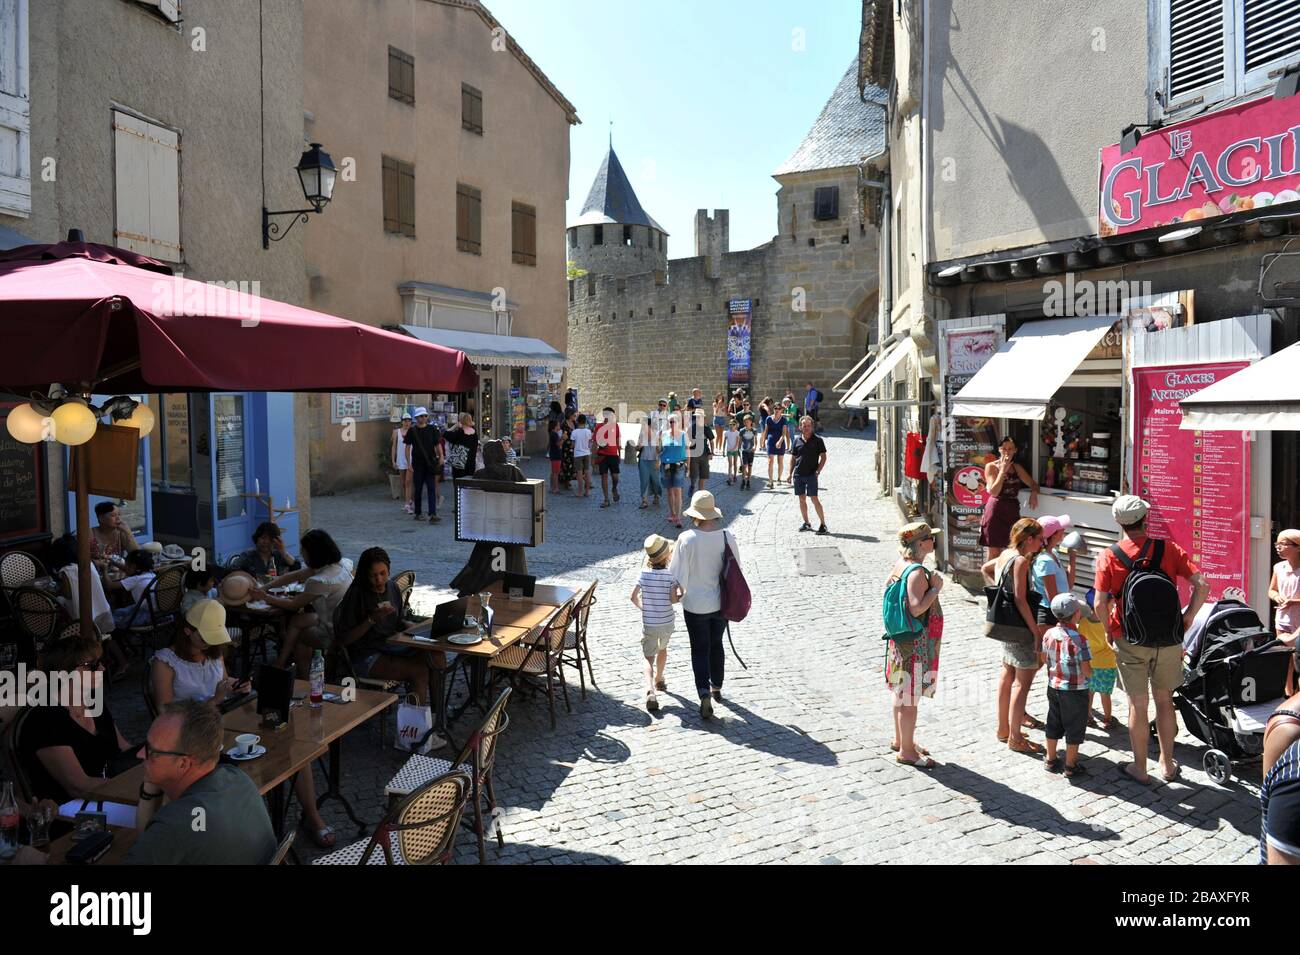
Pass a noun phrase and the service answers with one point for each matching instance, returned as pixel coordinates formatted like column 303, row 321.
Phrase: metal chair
column 18, row 569
column 540, row 659
column 476, row 758
column 575, row 641
column 38, row 615
column 419, row 830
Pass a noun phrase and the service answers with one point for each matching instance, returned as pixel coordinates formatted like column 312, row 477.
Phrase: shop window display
column 1079, row 449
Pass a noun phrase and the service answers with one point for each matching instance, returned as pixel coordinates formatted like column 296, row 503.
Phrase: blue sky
column 707, row 96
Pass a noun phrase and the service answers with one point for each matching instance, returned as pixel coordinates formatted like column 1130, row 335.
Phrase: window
column 15, row 111
column 523, row 234
column 469, row 219
column 627, row 235
column 598, row 235
column 826, row 203
column 399, row 197
column 146, row 160
column 1215, row 50
column 401, row 75
column 471, row 109
column 591, row 285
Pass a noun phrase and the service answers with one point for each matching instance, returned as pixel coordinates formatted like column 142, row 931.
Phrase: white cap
column 421, row 411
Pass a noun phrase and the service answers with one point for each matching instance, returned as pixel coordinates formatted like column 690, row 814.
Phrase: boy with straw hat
column 654, row 595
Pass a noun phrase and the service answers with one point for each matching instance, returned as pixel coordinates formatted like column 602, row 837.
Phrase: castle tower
column 613, row 235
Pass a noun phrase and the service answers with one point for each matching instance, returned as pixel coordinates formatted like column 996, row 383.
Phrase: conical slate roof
column 847, row 131
column 612, row 199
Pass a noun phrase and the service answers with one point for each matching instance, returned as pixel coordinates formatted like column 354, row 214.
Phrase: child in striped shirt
column 654, row 595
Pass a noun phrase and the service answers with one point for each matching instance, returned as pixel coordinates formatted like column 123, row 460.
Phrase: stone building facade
column 641, row 324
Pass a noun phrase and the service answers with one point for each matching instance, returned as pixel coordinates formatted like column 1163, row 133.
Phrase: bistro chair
column 18, row 569
column 38, row 615
column 476, row 758
column 418, row 830
column 575, row 641
column 282, row 852
column 338, row 666
column 518, row 663
column 158, row 608
column 10, row 743
column 405, row 582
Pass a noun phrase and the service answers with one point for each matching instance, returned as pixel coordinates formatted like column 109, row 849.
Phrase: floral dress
column 567, row 471
column 912, row 666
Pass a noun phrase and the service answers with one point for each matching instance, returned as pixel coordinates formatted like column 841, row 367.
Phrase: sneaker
column 652, row 702
column 805, row 526
column 706, row 708
column 616, row 495
column 822, row 530
column 419, row 516
column 408, row 508
column 717, row 694
column 435, row 519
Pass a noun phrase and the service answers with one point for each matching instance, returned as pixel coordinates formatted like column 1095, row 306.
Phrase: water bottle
column 8, row 822
column 317, row 680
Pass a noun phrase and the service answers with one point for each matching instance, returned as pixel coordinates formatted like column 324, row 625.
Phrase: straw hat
column 656, row 547
column 703, row 508
column 235, row 588
column 173, row 552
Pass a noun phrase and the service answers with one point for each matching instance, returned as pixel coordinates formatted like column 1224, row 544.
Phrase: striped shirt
column 1281, row 787
column 656, row 598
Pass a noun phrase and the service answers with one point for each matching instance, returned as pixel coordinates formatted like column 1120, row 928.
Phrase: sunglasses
column 150, row 752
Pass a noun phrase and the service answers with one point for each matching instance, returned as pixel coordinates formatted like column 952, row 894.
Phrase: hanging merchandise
column 930, row 457
column 915, row 450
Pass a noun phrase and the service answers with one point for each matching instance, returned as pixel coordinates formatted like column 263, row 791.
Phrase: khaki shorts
column 582, row 465
column 1161, row 667
column 655, row 641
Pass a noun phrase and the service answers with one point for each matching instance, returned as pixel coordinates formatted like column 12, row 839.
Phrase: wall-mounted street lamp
column 1131, row 135
column 316, row 173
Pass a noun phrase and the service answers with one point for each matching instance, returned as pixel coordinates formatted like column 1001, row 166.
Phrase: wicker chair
column 419, row 830
column 38, row 615
column 476, row 759
column 517, row 663
column 18, row 569
column 282, row 852
column 405, row 582
column 575, row 641
column 157, row 610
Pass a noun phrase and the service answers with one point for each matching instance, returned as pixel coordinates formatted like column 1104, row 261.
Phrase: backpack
column 900, row 624
column 1153, row 613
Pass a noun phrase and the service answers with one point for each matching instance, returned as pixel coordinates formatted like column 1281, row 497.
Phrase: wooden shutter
column 406, row 198
column 471, row 109
column 392, row 217
column 1197, row 68
column 15, row 111
column 523, row 234
column 1269, row 41
column 147, row 181
column 401, row 75
column 469, row 224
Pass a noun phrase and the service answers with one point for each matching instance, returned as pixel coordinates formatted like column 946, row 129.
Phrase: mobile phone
column 91, row 849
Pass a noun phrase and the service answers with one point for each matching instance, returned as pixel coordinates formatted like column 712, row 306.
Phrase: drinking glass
column 38, row 827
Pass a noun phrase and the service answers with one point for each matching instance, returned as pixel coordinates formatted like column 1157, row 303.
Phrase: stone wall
column 633, row 340
column 612, row 257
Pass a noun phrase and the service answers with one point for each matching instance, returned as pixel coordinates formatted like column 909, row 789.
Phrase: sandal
column 1002, row 739
column 1052, row 765
column 1077, row 769
column 324, row 837
column 661, row 686
column 1027, row 746
column 1032, row 723
column 1176, row 774
column 1122, row 768
column 920, row 749
column 925, row 762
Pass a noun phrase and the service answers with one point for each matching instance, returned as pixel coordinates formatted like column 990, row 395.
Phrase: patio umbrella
column 101, row 319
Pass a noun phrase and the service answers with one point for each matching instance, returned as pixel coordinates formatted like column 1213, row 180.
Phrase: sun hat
column 1051, row 525
column 917, row 530
column 656, row 546
column 235, row 587
column 173, row 552
column 421, row 412
column 1128, row 509
column 406, row 416
column 1074, row 541
column 703, row 508
column 208, row 617
column 1065, row 605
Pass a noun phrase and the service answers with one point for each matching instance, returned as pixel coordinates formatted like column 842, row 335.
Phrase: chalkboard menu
column 22, row 485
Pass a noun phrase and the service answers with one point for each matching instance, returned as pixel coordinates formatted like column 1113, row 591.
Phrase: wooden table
column 123, row 839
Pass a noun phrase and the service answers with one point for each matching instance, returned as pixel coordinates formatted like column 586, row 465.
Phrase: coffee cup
column 245, row 743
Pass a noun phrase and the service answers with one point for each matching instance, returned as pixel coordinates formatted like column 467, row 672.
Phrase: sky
column 707, row 97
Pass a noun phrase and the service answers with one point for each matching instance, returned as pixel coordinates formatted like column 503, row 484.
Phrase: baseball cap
column 421, row 411
column 209, row 618
column 1051, row 525
column 1128, row 509
column 406, row 416
column 1065, row 606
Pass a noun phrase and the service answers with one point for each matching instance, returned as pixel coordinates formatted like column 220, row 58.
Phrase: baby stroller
column 1235, row 677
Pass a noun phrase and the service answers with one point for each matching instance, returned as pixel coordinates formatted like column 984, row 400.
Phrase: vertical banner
column 969, row 443
column 518, row 419
column 741, row 313
column 1197, row 482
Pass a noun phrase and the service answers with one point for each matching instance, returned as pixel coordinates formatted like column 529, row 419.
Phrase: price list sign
column 1197, row 482
column 968, row 444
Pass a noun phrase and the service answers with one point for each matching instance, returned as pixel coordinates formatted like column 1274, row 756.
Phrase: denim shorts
column 805, row 485
column 673, row 478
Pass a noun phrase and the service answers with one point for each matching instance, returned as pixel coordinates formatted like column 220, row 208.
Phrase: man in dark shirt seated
column 213, row 814
column 268, row 557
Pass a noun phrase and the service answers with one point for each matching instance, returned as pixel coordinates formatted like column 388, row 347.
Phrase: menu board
column 22, row 484
column 499, row 517
column 228, row 416
column 1197, row 482
column 968, row 444
column 379, row 406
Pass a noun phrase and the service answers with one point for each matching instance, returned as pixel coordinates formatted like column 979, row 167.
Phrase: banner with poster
column 968, row 443
column 741, row 313
column 518, row 419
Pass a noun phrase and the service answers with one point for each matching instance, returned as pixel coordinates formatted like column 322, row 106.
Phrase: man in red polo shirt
column 1160, row 667
column 608, row 451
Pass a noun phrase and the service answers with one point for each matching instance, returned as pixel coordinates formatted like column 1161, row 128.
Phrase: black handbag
column 1003, row 619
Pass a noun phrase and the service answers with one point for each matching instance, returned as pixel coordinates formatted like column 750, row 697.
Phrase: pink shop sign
column 1239, row 163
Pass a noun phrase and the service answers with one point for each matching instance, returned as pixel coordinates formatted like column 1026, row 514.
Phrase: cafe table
column 250, row 619
column 512, row 620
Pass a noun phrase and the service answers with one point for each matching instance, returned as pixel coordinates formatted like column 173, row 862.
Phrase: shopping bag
column 415, row 728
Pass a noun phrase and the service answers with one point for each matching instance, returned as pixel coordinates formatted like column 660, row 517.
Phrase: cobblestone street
column 795, row 766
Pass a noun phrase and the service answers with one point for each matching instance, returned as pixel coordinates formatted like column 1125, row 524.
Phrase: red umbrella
column 101, row 319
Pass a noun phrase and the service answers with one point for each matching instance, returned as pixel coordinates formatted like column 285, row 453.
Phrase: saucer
column 258, row 750
column 464, row 639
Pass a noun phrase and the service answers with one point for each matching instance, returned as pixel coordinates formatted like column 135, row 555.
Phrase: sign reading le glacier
column 1234, row 161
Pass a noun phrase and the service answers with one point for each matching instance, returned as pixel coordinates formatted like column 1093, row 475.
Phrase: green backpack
column 900, row 624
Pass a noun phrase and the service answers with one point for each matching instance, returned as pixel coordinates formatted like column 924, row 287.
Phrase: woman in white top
column 696, row 566
column 325, row 580
column 1284, row 590
column 399, row 452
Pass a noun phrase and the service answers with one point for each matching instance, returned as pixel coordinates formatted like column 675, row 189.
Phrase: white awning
column 889, row 359
column 1263, row 397
column 1030, row 367
column 484, row 349
column 852, row 373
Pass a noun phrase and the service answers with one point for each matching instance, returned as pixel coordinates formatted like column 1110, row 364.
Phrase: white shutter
column 147, row 166
column 1197, row 64
column 15, row 111
column 169, row 9
column 1268, row 41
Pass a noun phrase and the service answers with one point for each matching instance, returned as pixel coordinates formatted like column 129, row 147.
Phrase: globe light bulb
column 142, row 419
column 26, row 424
column 74, row 423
